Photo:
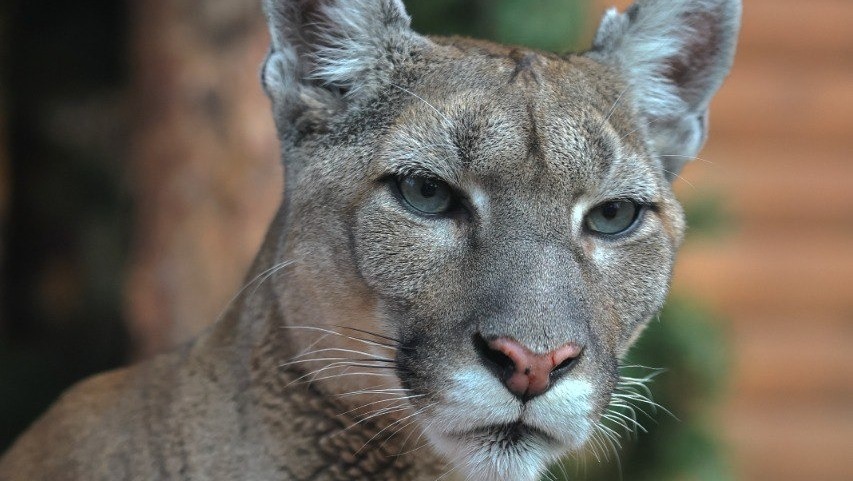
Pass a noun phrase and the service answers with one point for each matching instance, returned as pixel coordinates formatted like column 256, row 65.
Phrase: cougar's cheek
column 406, row 260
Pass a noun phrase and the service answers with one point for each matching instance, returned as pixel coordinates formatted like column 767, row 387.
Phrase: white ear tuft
column 326, row 52
column 674, row 55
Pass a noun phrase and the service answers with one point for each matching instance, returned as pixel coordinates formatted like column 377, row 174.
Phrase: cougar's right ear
column 674, row 54
column 328, row 54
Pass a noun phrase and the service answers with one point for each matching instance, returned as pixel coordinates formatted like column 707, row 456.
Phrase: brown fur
column 367, row 295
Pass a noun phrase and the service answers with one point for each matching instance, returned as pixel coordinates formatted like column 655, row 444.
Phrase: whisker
column 700, row 159
column 613, row 108
column 614, row 443
column 680, row 177
column 380, row 412
column 313, row 375
column 594, row 443
column 270, row 272
column 406, row 441
column 352, row 364
column 446, row 119
column 262, row 276
column 326, row 359
column 372, row 391
column 372, row 403
column 410, row 451
column 392, row 424
column 346, row 374
column 342, row 350
column 398, row 431
column 335, row 333
column 562, row 467
column 370, row 333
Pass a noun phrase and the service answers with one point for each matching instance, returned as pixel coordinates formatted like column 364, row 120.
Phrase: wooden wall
column 781, row 154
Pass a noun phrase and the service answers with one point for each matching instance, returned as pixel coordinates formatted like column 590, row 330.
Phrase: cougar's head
column 500, row 219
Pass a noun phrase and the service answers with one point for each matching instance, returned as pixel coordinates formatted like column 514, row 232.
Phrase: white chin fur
column 477, row 460
column 476, row 399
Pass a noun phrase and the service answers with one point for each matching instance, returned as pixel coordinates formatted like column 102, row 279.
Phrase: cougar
column 470, row 239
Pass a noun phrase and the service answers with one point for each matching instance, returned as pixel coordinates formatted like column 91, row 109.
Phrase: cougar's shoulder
column 129, row 423
column 74, row 429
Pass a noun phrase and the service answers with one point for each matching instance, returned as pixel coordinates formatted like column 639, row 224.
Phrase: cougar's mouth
column 507, row 435
column 513, row 451
column 490, row 435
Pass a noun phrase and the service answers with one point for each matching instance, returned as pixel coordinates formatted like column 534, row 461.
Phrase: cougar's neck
column 310, row 434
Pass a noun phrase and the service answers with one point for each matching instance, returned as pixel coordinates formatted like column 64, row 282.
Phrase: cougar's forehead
column 519, row 118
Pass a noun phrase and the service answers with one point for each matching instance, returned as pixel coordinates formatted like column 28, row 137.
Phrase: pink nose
column 528, row 374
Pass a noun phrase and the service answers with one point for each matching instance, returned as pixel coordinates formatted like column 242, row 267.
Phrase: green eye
column 613, row 217
column 425, row 195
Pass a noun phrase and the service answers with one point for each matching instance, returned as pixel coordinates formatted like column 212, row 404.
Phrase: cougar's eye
column 613, row 217
column 425, row 195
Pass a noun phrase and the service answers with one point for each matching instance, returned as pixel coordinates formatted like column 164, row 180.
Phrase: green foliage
column 554, row 25
column 708, row 216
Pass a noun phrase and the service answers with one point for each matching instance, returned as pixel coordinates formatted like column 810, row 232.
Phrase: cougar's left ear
column 327, row 54
column 674, row 54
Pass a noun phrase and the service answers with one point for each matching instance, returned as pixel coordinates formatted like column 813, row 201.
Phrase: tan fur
column 380, row 307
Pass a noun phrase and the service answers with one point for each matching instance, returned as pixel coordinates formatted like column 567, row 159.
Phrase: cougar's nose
column 524, row 372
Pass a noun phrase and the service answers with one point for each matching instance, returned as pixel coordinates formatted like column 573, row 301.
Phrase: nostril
column 566, row 365
column 495, row 360
column 525, row 373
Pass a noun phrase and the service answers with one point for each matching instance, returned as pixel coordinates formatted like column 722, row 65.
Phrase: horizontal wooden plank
column 724, row 152
column 793, row 271
column 779, row 441
column 793, row 29
column 800, row 358
column 772, row 187
column 777, row 101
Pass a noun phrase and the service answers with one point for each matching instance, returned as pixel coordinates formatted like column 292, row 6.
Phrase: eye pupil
column 610, row 210
column 429, row 188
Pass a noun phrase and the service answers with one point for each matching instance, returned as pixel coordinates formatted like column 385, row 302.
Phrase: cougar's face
column 501, row 219
column 480, row 232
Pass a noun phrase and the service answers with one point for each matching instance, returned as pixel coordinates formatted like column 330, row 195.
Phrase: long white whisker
column 335, row 333
column 341, row 350
column 379, row 412
column 680, row 177
column 392, row 424
column 689, row 158
column 372, row 391
column 446, row 119
column 263, row 276
column 613, row 108
column 386, row 400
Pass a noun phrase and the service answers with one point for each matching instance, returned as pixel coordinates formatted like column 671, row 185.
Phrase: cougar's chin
column 488, row 434
column 510, row 452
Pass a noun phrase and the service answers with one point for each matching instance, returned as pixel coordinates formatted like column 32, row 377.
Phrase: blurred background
column 139, row 170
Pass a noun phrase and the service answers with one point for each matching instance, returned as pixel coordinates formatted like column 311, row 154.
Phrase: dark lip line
column 492, row 429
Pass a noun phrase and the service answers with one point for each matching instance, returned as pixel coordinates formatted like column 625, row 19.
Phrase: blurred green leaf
column 707, row 217
column 554, row 25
